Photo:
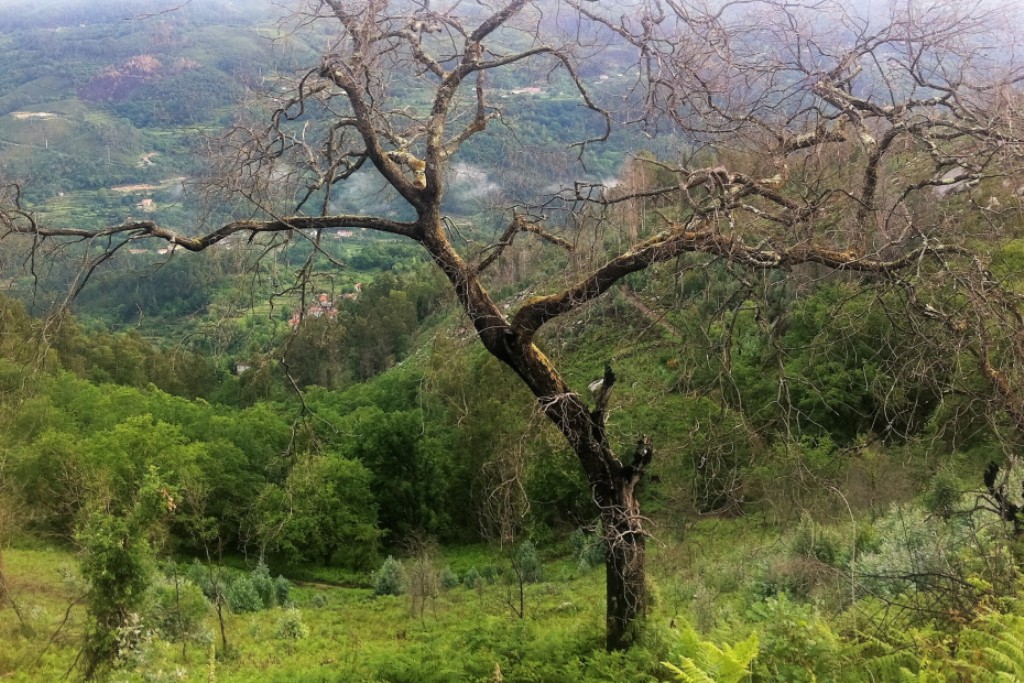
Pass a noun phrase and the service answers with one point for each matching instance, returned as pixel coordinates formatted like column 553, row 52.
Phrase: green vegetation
column 330, row 489
column 328, row 479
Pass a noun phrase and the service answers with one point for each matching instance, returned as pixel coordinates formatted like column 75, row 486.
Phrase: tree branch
column 136, row 230
column 535, row 313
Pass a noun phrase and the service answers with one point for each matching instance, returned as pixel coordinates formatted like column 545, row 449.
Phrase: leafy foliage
column 325, row 505
column 118, row 562
column 390, row 578
column 291, row 626
column 701, row 661
column 177, row 608
column 796, row 644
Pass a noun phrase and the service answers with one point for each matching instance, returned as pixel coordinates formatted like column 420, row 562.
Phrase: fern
column 899, row 664
column 891, row 666
column 995, row 648
column 991, row 651
column 701, row 661
column 688, row 671
column 922, row 676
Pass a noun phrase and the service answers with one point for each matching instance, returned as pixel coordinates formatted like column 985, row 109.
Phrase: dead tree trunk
column 612, row 483
column 625, row 556
column 625, row 552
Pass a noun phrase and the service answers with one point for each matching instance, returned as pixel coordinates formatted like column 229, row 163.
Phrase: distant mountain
column 107, row 108
column 104, row 104
column 96, row 97
column 22, row 14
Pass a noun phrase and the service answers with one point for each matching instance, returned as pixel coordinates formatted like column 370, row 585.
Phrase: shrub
column 943, row 496
column 389, row 579
column 489, row 573
column 263, row 584
column 797, row 577
column 472, row 578
column 813, row 541
column 282, row 590
column 797, row 645
column 909, row 546
column 177, row 610
column 449, row 579
column 290, row 626
column 587, row 549
column 199, row 574
column 243, row 597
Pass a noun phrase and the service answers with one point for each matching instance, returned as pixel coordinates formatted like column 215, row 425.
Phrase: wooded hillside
column 468, row 301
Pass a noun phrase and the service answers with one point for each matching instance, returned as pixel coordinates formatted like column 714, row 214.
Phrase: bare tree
column 422, row 575
column 816, row 138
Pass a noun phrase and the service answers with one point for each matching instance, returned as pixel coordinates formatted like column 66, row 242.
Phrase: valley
column 531, row 341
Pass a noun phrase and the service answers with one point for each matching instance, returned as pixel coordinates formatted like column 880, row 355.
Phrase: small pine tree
column 282, row 590
column 587, row 549
column 449, row 579
column 527, row 563
column 472, row 578
column 264, row 585
column 389, row 579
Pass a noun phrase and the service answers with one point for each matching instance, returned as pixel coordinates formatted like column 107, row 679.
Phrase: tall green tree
column 324, row 510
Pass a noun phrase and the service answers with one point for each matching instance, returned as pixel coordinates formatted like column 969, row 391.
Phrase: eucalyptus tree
column 812, row 136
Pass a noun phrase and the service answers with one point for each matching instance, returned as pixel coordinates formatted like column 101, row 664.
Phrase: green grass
column 461, row 635
column 354, row 636
column 48, row 591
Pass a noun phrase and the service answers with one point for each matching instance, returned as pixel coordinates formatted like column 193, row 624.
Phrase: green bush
column 813, row 541
column 176, row 609
column 587, row 549
column 243, row 597
column 389, row 579
column 489, row 573
column 449, row 579
column 797, row 645
column 199, row 574
column 282, row 590
column 472, row 578
column 943, row 495
column 290, row 626
column 909, row 546
column 264, row 585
